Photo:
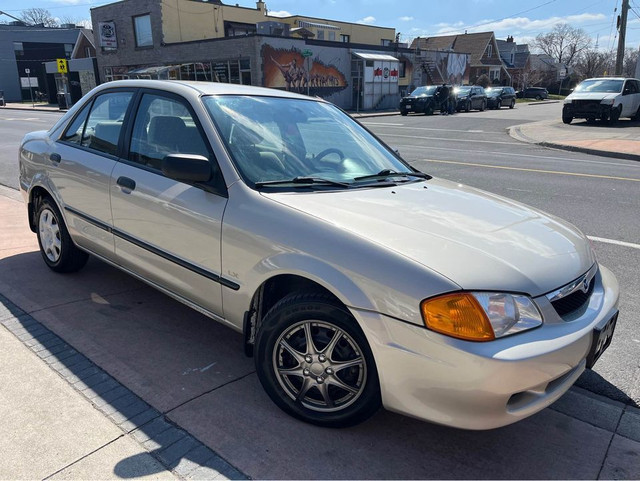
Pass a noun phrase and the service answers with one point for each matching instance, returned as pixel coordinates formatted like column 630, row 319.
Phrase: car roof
column 190, row 88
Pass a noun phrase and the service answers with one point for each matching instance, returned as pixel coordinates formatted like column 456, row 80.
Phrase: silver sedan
column 356, row 280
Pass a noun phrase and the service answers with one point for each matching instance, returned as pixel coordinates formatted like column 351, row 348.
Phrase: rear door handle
column 126, row 183
column 55, row 158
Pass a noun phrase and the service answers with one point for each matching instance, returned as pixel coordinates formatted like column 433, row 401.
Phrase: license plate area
column 601, row 340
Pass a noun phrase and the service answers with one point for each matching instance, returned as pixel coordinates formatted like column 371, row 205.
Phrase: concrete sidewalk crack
column 208, row 392
column 613, row 435
column 83, row 457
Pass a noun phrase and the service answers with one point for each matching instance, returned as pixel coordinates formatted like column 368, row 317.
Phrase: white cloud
column 70, row 2
column 405, row 19
column 279, row 13
column 367, row 20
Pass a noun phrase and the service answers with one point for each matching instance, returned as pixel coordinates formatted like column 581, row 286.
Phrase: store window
column 385, row 42
column 18, row 49
column 320, row 35
column 345, row 38
column 402, row 69
column 142, row 29
column 332, row 35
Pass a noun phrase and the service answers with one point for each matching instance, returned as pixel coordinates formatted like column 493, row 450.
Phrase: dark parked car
column 2, row 98
column 470, row 97
column 500, row 96
column 422, row 100
column 537, row 93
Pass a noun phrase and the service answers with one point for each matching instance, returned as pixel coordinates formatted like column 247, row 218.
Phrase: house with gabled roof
column 483, row 49
column 516, row 58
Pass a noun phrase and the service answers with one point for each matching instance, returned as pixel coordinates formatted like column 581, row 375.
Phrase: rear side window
column 104, row 124
column 74, row 131
column 164, row 126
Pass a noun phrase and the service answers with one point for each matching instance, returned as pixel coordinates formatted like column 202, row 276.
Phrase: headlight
column 480, row 316
column 567, row 101
column 607, row 101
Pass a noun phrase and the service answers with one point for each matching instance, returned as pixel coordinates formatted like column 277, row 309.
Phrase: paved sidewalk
column 101, row 377
column 38, row 107
column 620, row 141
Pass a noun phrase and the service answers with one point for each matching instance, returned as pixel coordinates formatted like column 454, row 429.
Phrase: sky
column 412, row 18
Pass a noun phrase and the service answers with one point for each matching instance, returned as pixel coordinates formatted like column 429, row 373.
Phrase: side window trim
column 218, row 188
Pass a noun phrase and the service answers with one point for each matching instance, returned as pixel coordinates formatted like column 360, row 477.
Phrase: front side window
column 104, row 124
column 74, row 131
column 278, row 139
column 164, row 126
column 142, row 28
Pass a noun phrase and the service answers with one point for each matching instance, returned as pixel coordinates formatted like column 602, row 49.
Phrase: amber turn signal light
column 457, row 315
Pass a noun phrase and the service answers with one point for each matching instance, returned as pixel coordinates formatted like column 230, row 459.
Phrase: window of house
column 87, row 52
column 345, row 38
column 320, row 35
column 489, row 50
column 142, row 29
column 385, row 42
column 18, row 49
column 332, row 35
column 402, row 69
column 68, row 49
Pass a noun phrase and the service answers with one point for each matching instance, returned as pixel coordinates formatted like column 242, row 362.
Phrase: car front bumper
column 586, row 109
column 484, row 385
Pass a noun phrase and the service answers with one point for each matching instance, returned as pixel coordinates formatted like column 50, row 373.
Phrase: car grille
column 573, row 302
column 586, row 105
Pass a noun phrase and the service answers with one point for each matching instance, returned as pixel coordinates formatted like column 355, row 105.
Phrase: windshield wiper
column 383, row 174
column 305, row 181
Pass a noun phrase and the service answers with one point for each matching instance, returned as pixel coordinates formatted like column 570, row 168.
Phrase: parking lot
column 194, row 372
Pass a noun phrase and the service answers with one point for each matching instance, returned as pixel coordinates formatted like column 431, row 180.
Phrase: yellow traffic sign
column 62, row 65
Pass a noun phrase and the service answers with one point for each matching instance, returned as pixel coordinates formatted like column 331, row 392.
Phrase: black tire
column 288, row 321
column 499, row 105
column 614, row 116
column 538, row 97
column 567, row 119
column 512, row 104
column 636, row 117
column 483, row 106
column 57, row 249
column 467, row 106
column 403, row 112
column 428, row 111
column 591, row 120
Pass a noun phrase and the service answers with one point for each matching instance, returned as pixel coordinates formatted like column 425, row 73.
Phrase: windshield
column 462, row 90
column 493, row 91
column 430, row 90
column 278, row 139
column 600, row 85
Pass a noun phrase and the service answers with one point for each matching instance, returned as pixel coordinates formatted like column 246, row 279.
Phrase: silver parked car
column 355, row 279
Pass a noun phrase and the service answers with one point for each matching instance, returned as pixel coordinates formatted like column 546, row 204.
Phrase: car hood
column 478, row 240
column 591, row 96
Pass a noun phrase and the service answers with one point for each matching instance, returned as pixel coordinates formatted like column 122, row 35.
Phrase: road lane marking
column 385, row 124
column 522, row 169
column 439, row 130
column 614, row 242
column 539, row 157
column 451, row 139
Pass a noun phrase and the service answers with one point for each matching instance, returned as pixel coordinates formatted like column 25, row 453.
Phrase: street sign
column 27, row 71
column 62, row 65
column 307, row 53
column 563, row 72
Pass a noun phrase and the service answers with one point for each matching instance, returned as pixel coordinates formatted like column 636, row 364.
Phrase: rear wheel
column 567, row 119
column 538, row 97
column 636, row 117
column 57, row 249
column 314, row 361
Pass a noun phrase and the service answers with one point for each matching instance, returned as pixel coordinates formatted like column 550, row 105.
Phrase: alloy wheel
column 50, row 235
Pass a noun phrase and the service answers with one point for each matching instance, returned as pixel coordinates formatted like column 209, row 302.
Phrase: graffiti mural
column 287, row 69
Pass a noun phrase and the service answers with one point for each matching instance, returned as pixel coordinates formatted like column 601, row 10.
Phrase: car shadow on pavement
column 620, row 124
column 180, row 384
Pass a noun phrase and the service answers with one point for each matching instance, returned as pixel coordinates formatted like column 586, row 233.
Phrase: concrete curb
column 544, row 102
column 174, row 448
column 516, row 133
column 36, row 109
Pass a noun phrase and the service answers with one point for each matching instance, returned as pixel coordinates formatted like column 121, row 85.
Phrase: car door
column 633, row 98
column 165, row 230
column 82, row 160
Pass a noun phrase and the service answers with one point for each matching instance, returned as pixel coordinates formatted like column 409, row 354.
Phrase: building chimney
column 261, row 6
column 510, row 39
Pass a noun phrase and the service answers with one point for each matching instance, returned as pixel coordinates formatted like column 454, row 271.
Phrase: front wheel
column 403, row 112
column 314, row 361
column 467, row 107
column 614, row 115
column 538, row 97
column 483, row 106
column 57, row 249
column 499, row 105
column 512, row 104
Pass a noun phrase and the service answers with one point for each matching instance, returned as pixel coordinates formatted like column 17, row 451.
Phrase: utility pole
column 622, row 25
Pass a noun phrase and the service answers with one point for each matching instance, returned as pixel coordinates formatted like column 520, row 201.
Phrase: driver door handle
column 126, row 183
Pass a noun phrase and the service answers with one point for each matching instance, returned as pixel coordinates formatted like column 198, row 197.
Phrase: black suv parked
column 537, row 93
column 499, row 96
column 470, row 97
column 422, row 100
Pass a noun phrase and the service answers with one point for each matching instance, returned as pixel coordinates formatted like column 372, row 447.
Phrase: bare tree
column 527, row 77
column 35, row 16
column 564, row 43
column 79, row 22
column 593, row 63
column 630, row 61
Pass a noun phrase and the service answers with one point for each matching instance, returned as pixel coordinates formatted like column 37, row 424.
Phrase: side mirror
column 626, row 91
column 187, row 167
column 396, row 151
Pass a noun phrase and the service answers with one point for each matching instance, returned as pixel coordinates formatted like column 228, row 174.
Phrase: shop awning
column 375, row 56
column 303, row 23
